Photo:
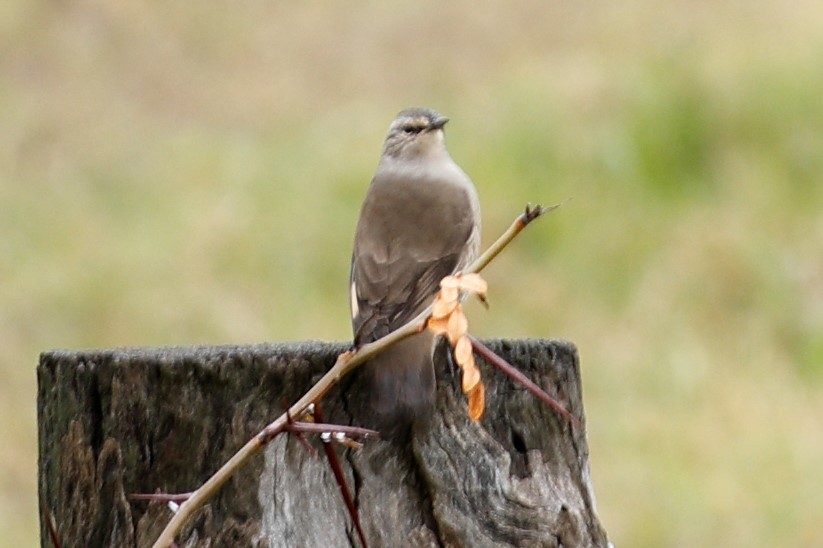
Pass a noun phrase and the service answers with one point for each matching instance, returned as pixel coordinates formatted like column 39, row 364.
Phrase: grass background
column 191, row 174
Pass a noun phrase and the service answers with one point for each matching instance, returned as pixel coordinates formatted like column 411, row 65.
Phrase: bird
column 419, row 222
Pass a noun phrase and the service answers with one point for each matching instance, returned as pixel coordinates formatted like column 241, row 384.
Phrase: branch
column 345, row 363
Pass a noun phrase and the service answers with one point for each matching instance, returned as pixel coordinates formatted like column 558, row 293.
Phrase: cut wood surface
column 139, row 420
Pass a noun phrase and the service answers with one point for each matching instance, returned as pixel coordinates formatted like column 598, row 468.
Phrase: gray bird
column 420, row 222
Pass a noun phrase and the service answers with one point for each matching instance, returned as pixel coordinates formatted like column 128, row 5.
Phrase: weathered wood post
column 116, row 422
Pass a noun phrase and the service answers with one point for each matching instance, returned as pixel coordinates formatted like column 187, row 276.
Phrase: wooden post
column 116, row 422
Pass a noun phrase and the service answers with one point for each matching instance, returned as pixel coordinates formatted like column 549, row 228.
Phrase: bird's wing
column 402, row 252
column 397, row 294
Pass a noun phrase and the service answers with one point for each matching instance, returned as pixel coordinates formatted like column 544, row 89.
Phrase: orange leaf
column 442, row 307
column 477, row 402
column 471, row 375
column 473, row 283
column 450, row 293
column 462, row 350
column 450, row 282
column 458, row 324
column 438, row 326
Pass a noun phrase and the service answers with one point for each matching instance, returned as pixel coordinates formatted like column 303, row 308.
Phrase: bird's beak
column 439, row 122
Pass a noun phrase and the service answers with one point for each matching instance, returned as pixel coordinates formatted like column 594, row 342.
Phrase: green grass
column 194, row 176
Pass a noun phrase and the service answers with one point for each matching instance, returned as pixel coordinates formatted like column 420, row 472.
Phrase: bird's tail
column 400, row 383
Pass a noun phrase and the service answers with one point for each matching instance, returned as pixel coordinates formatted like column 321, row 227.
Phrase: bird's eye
column 409, row 129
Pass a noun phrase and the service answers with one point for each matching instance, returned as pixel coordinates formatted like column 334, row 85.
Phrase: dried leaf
column 438, row 326
column 473, row 283
column 450, row 282
column 450, row 293
column 471, row 375
column 462, row 350
column 458, row 325
column 442, row 307
column 448, row 317
column 477, row 402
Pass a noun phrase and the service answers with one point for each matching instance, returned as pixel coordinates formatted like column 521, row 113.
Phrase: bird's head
column 416, row 132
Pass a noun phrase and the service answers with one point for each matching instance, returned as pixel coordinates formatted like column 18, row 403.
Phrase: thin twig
column 345, row 363
column 319, row 428
column 50, row 526
column 334, row 462
column 485, row 352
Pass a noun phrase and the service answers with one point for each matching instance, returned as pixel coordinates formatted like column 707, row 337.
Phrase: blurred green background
column 180, row 173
